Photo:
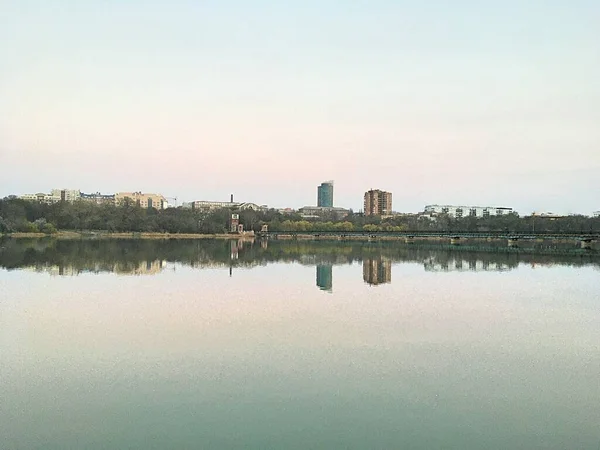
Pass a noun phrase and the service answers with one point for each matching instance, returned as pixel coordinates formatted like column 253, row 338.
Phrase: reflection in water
column 459, row 264
column 325, row 277
column 140, row 268
column 140, row 257
column 377, row 271
column 431, row 361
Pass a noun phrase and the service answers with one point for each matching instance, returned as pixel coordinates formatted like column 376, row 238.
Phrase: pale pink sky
column 471, row 104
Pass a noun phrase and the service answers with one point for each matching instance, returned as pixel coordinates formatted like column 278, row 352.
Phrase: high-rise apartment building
column 378, row 203
column 325, row 194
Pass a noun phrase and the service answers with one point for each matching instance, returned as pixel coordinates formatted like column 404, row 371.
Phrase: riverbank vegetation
column 18, row 215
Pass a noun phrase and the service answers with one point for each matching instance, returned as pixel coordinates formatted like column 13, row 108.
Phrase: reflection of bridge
column 436, row 234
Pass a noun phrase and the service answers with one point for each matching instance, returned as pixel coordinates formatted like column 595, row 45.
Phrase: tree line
column 17, row 215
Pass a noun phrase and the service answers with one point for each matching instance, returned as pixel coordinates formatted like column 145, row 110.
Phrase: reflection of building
column 121, row 268
column 468, row 211
column 378, row 203
column 143, row 268
column 377, row 271
column 325, row 194
column 155, row 201
column 325, row 277
column 461, row 265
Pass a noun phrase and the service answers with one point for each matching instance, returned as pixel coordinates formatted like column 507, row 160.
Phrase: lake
column 296, row 345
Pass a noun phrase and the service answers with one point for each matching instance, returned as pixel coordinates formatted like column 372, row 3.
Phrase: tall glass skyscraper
column 325, row 194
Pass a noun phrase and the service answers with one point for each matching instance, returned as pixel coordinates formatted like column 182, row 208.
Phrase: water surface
column 218, row 344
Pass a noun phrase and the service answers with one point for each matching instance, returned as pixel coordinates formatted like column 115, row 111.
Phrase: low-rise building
column 155, row 201
column 315, row 212
column 467, row 211
column 547, row 215
column 55, row 196
column 67, row 195
column 596, row 213
column 98, row 198
column 207, row 206
column 40, row 197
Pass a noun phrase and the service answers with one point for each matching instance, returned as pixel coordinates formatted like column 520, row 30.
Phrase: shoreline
column 124, row 235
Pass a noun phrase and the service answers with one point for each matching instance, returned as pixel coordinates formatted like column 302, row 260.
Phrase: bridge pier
column 409, row 239
column 513, row 242
column 455, row 240
column 586, row 244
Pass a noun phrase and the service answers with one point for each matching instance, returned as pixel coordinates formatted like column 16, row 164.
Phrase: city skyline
column 71, row 195
column 449, row 104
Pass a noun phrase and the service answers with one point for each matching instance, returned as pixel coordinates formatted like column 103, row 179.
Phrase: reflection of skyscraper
column 377, row 271
column 325, row 277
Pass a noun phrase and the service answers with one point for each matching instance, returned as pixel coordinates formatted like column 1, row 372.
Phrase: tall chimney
column 231, row 198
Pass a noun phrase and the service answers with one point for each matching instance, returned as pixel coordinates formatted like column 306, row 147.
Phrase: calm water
column 216, row 344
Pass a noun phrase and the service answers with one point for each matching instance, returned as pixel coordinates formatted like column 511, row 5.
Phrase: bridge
column 585, row 239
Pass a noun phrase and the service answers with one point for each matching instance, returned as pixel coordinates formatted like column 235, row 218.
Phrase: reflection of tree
column 133, row 256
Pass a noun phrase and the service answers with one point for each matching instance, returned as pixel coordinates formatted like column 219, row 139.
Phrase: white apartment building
column 56, row 195
column 596, row 213
column 466, row 211
column 67, row 195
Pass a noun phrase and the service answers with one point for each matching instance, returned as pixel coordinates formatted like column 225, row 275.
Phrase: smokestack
column 231, row 198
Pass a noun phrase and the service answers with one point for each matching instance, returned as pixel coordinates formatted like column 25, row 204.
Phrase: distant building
column 596, row 214
column 378, row 203
column 40, row 197
column 67, row 195
column 155, row 201
column 377, row 271
column 207, row 206
column 98, row 198
column 468, row 211
column 325, row 194
column 315, row 212
column 286, row 210
column 55, row 196
column 547, row 215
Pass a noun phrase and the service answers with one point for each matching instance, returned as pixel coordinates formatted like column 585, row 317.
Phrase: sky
column 463, row 102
